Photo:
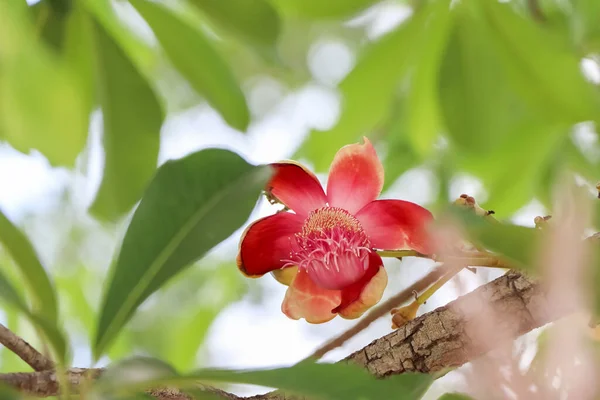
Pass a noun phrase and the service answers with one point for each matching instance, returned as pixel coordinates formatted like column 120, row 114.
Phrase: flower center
column 332, row 247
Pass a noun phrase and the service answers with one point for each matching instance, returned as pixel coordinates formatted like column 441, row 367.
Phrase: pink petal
column 304, row 299
column 396, row 224
column 267, row 242
column 296, row 187
column 355, row 177
column 364, row 294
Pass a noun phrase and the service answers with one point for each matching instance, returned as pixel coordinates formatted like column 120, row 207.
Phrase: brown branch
column 24, row 350
column 443, row 338
column 448, row 336
column 46, row 384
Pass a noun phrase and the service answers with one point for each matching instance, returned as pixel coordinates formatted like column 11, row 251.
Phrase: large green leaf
column 66, row 28
column 194, row 56
column 585, row 24
column 52, row 333
column 323, row 9
column 479, row 108
column 33, row 273
column 132, row 118
column 77, row 52
column 254, row 21
column 423, row 115
column 37, row 93
column 367, row 92
column 320, row 381
column 9, row 393
column 50, row 17
column 191, row 205
column 518, row 244
column 487, row 111
column 546, row 73
column 139, row 52
column 400, row 155
column 316, row 380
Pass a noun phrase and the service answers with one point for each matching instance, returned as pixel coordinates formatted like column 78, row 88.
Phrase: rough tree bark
column 449, row 336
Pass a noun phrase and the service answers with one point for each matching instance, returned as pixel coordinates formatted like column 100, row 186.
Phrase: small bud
column 542, row 222
column 402, row 315
column 469, row 202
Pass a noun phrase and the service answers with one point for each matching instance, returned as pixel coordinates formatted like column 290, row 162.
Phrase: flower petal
column 304, row 299
column 285, row 276
column 364, row 294
column 396, row 224
column 266, row 242
column 296, row 187
column 355, row 177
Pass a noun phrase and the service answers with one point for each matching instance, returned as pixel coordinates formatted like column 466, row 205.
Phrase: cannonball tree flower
column 323, row 248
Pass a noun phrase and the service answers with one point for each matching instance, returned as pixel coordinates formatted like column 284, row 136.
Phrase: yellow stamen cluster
column 328, row 218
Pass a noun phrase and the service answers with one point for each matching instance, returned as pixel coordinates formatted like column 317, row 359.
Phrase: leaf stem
column 400, row 253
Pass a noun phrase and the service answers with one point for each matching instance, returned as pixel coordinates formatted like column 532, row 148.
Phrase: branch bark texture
column 24, row 350
column 452, row 335
column 449, row 336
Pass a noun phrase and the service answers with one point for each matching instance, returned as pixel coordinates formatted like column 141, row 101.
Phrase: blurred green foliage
column 494, row 90
column 306, row 378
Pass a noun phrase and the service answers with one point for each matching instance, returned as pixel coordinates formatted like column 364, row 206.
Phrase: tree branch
column 446, row 337
column 450, row 335
column 24, row 350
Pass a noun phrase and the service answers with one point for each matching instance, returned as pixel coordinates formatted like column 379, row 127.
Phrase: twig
column 380, row 311
column 24, row 350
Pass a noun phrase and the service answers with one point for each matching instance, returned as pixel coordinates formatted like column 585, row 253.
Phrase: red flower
column 324, row 249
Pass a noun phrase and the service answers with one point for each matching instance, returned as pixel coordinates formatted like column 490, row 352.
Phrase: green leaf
column 66, row 28
column 423, row 115
column 77, row 52
column 197, row 60
column 517, row 243
column 191, row 205
column 254, row 21
column 37, row 93
column 512, row 177
column 49, row 17
column 455, row 396
column 375, row 77
column 546, row 74
column 132, row 118
column 479, row 108
column 139, row 52
column 323, row 9
column 307, row 378
column 9, row 393
column 49, row 328
column 585, row 24
column 312, row 379
column 34, row 275
column 400, row 155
